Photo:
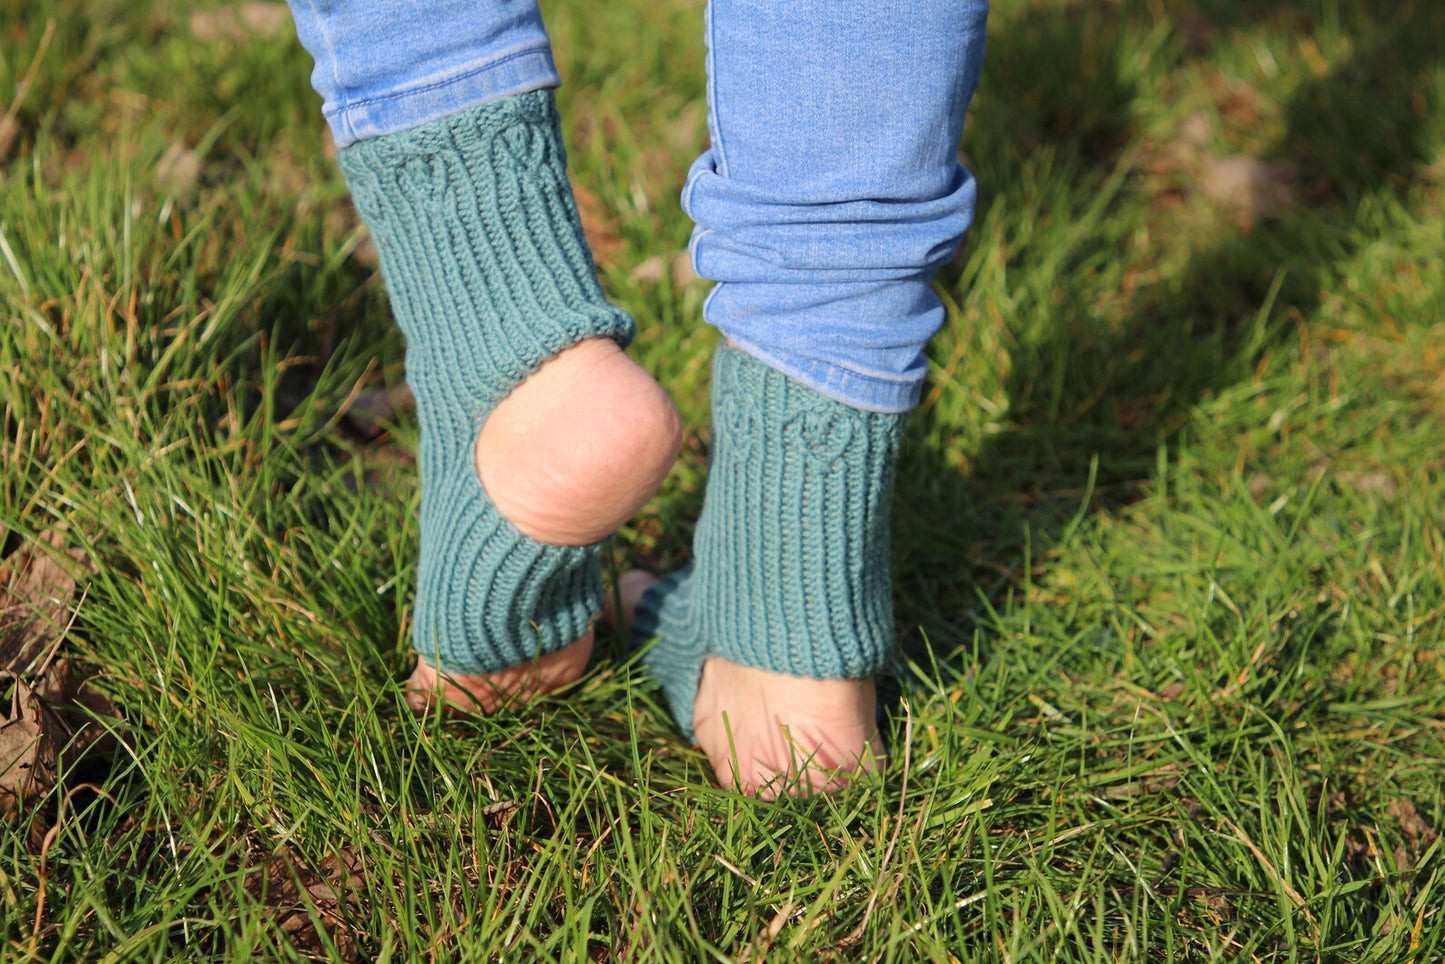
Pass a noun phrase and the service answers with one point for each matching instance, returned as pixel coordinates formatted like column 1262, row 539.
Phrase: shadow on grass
column 1096, row 394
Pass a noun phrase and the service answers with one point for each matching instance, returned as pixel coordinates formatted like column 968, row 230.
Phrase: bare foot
column 628, row 593
column 774, row 735
column 770, row 734
column 456, row 692
column 572, row 453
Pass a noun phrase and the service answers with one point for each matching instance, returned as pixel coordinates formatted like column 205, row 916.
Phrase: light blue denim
column 831, row 192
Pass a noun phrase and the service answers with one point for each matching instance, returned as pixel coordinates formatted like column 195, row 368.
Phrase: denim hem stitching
column 410, row 91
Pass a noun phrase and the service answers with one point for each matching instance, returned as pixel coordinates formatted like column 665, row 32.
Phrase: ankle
column 579, row 446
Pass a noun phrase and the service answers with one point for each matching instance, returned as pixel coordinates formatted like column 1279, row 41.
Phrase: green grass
column 1170, row 532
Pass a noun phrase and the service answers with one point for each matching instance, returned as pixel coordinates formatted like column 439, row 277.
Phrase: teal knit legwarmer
column 790, row 570
column 489, row 276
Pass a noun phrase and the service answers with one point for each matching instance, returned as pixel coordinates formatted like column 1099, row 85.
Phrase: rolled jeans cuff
column 435, row 98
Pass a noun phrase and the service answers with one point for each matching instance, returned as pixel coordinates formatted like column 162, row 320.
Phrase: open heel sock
column 790, row 565
column 489, row 276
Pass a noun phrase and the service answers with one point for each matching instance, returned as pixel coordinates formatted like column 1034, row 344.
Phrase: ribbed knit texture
column 489, row 276
column 790, row 558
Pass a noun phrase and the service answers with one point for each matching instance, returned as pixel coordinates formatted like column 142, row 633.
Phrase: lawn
column 1169, row 535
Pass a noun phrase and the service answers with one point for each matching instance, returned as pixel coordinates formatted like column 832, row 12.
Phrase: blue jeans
column 831, row 191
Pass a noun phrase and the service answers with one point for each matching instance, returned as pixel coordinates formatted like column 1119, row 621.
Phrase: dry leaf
column 365, row 252
column 341, row 221
column 1196, row 31
column 9, row 130
column 240, row 22
column 677, row 269
column 40, row 737
column 653, row 270
column 300, row 896
column 1238, row 104
column 1416, row 830
column 179, row 170
column 1372, row 483
column 601, row 230
column 37, row 583
column 265, row 19
column 285, row 175
column 28, row 750
column 1196, row 131
column 1419, row 835
column 687, row 132
column 374, row 408
column 46, row 712
column 682, row 270
column 1247, row 184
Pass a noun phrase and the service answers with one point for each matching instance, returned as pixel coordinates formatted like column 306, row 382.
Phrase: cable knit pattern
column 791, row 569
column 489, row 276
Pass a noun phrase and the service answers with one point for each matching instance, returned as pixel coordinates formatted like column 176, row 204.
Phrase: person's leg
column 383, row 66
column 539, row 436
column 830, row 195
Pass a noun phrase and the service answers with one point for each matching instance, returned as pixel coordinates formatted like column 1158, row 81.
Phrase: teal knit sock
column 790, row 569
column 489, row 276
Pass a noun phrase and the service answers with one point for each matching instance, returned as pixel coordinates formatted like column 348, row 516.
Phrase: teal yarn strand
column 790, row 565
column 489, row 276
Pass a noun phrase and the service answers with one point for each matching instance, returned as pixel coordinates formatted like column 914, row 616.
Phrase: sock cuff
column 756, row 403
column 797, row 536
column 481, row 245
column 790, row 565
column 489, row 276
